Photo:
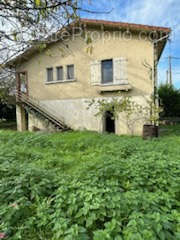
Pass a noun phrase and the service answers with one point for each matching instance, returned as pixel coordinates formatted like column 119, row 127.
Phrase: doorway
column 109, row 122
column 22, row 82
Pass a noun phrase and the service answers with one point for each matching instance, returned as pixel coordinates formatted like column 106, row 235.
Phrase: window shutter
column 120, row 71
column 96, row 72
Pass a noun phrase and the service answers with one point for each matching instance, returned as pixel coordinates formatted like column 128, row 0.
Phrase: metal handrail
column 32, row 102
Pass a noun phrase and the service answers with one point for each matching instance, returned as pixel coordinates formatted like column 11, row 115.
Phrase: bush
column 7, row 111
column 114, row 187
column 170, row 99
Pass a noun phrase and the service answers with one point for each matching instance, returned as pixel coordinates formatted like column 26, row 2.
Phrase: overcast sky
column 153, row 12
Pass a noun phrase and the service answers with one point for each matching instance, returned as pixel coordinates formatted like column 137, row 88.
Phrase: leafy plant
column 147, row 113
column 83, row 185
column 170, row 100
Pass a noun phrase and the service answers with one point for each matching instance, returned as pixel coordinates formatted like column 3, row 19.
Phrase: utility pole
column 170, row 58
column 167, row 77
column 170, row 71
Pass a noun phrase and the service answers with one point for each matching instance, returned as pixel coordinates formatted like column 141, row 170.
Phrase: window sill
column 113, row 84
column 63, row 81
column 114, row 87
column 122, row 83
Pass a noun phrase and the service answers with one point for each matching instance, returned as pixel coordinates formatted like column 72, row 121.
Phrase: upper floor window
column 59, row 71
column 70, row 71
column 107, row 71
column 49, row 74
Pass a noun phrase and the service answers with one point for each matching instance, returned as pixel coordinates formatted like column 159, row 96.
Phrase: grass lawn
column 84, row 185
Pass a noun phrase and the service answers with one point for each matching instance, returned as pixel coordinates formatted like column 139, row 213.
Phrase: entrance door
column 22, row 83
column 109, row 122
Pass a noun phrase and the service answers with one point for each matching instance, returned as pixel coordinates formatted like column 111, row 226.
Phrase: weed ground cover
column 84, row 185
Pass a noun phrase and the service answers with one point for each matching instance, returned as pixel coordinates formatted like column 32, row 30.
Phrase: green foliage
column 88, row 186
column 170, row 99
column 38, row 2
column 148, row 112
column 7, row 111
column 7, row 97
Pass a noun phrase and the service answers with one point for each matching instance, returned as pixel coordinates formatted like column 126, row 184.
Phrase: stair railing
column 37, row 106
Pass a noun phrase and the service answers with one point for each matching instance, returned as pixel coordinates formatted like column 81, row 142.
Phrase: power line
column 177, row 58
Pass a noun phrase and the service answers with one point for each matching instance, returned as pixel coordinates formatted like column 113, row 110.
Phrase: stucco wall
column 21, row 118
column 36, row 124
column 136, row 51
column 76, row 114
column 68, row 98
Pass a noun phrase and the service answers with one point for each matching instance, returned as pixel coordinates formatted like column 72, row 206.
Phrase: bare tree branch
column 23, row 23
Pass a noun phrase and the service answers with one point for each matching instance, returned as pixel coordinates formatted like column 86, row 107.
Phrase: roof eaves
column 92, row 22
column 134, row 26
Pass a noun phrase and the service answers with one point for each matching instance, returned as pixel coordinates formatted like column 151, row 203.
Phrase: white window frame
column 49, row 68
column 65, row 79
column 70, row 79
column 115, row 80
column 109, row 83
column 59, row 80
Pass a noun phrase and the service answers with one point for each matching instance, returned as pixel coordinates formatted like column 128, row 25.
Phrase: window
column 59, row 71
column 70, row 72
column 107, row 71
column 49, row 74
column 22, row 82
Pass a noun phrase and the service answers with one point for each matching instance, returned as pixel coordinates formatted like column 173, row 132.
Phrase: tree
column 25, row 23
column 31, row 23
column 7, row 95
column 170, row 100
column 7, row 86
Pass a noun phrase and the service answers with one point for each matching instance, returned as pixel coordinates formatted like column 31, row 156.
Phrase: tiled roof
column 133, row 26
column 95, row 22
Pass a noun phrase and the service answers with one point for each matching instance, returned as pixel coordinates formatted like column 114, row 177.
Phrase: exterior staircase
column 36, row 107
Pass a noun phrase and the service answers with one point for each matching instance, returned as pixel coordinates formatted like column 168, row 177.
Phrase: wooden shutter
column 95, row 72
column 120, row 71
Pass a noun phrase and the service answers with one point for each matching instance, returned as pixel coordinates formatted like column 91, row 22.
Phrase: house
column 94, row 59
